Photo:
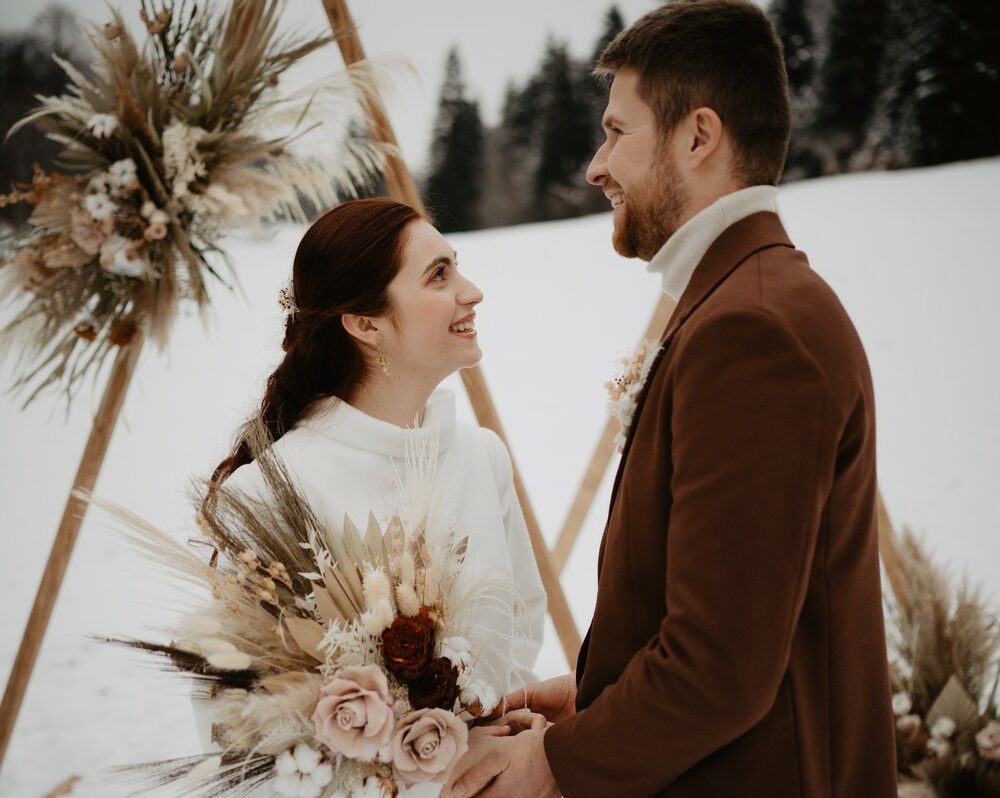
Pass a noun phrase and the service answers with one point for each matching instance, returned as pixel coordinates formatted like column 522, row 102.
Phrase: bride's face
column 432, row 332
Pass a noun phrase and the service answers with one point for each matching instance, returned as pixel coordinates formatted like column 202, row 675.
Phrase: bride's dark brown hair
column 343, row 264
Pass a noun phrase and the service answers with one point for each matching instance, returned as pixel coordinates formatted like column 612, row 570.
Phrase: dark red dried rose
column 435, row 687
column 406, row 645
column 122, row 332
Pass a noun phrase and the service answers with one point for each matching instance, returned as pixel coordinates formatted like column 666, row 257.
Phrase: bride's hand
column 518, row 720
column 554, row 698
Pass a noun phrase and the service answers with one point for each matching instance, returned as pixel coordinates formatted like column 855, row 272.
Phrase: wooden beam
column 69, row 527
column 402, row 187
column 601, row 457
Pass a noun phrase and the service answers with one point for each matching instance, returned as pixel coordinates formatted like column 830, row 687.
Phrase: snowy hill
column 912, row 256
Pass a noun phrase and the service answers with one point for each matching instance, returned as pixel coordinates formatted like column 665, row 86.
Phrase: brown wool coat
column 737, row 647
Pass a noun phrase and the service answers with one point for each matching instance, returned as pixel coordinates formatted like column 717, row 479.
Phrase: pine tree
column 27, row 69
column 849, row 76
column 454, row 181
column 941, row 96
column 565, row 132
column 594, row 90
column 791, row 20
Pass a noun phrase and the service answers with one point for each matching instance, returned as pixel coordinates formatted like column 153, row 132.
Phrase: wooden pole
column 69, row 527
column 601, row 457
column 402, row 187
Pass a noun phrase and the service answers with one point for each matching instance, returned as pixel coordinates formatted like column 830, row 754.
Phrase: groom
column 737, row 645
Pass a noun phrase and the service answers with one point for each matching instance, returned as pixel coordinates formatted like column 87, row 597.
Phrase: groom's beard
column 652, row 212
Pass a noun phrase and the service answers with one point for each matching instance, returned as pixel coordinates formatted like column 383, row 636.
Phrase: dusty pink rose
column 354, row 714
column 426, row 744
column 988, row 741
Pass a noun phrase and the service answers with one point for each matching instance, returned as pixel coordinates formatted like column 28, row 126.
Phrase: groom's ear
column 703, row 133
column 361, row 328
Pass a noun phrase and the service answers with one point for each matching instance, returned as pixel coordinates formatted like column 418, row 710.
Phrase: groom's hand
column 515, row 767
column 554, row 698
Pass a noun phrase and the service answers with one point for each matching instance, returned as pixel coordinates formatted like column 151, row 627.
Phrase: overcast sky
column 497, row 41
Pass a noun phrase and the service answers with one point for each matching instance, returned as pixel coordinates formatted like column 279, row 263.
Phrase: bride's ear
column 361, row 328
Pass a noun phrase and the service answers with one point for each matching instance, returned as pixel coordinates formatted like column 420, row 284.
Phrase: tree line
column 875, row 84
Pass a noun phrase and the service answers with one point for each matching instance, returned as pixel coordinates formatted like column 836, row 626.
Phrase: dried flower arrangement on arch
column 169, row 146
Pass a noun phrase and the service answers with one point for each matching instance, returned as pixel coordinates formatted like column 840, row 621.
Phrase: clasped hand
column 507, row 757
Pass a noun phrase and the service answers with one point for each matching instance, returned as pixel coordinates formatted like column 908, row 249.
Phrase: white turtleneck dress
column 345, row 461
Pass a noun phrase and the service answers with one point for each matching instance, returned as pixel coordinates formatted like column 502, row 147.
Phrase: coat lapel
column 737, row 244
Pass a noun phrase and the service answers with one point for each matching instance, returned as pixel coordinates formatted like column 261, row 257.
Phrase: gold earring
column 381, row 357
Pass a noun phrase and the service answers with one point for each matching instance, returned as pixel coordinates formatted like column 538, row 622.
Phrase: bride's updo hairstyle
column 344, row 264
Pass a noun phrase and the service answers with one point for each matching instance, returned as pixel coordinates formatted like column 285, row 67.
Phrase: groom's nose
column 597, row 172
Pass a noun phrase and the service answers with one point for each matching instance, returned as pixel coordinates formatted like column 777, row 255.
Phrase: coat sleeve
column 755, row 430
column 530, row 621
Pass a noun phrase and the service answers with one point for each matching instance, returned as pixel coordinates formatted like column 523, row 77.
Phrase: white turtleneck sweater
column 345, row 461
column 678, row 258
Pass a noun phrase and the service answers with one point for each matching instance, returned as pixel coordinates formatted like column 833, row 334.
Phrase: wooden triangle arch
column 402, row 187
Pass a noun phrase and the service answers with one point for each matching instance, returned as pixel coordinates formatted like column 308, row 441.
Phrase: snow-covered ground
column 913, row 256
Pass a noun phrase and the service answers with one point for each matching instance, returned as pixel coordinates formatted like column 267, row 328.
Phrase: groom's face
column 637, row 172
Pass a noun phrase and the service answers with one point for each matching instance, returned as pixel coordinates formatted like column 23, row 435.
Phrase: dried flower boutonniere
column 626, row 385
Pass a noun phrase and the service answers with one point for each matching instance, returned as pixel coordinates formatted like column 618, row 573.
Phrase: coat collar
column 737, row 244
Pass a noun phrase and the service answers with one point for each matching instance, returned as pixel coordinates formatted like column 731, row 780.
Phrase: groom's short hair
column 720, row 54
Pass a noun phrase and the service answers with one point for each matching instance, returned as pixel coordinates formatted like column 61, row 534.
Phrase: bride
column 377, row 315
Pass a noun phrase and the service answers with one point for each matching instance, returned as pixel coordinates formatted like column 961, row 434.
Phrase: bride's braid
column 343, row 264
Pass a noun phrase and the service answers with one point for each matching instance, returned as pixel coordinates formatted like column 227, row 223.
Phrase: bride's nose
column 469, row 294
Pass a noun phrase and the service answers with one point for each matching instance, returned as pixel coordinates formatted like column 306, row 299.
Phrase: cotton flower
column 122, row 173
column 118, row 257
column 458, row 650
column 155, row 232
column 944, row 728
column 102, row 125
column 479, row 696
column 98, row 184
column 100, row 206
column 901, row 703
column 148, row 209
column 302, row 773
column 939, row 747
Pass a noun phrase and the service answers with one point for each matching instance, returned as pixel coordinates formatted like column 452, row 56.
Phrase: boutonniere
column 626, row 385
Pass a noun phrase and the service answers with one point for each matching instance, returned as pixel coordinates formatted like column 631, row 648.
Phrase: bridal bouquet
column 330, row 662
column 945, row 674
column 166, row 148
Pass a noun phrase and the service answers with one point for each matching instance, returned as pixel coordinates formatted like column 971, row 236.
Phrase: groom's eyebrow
column 610, row 121
column 441, row 260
